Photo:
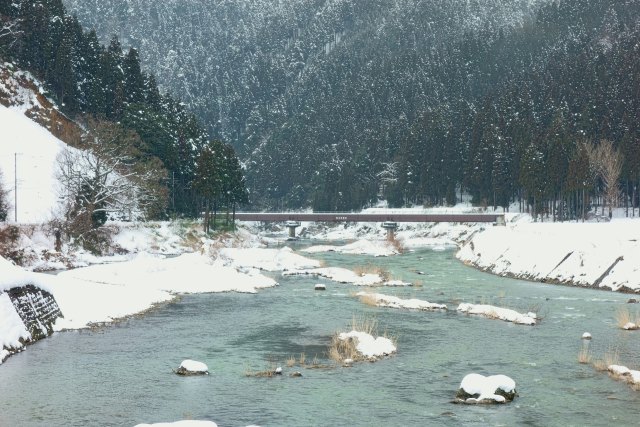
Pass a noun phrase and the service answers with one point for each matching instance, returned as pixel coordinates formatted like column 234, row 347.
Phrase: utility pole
column 15, row 187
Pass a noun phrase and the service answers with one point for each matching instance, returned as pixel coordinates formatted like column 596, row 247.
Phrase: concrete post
column 391, row 228
column 292, row 225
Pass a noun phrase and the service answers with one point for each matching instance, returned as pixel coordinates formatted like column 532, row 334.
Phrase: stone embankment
column 27, row 314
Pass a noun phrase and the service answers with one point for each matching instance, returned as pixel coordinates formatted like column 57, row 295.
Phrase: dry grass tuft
column 584, row 356
column 369, row 299
column 303, row 358
column 341, row 350
column 624, row 316
column 396, row 243
column 368, row 325
column 291, row 361
column 361, row 270
column 610, row 358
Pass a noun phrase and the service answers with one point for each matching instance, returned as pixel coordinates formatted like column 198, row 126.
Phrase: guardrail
column 359, row 217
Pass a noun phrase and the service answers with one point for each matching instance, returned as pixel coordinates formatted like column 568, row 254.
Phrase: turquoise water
column 120, row 375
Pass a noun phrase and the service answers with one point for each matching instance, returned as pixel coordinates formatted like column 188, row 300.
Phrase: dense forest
column 335, row 104
column 105, row 90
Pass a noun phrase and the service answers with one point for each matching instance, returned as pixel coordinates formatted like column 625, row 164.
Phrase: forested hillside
column 333, row 103
column 107, row 95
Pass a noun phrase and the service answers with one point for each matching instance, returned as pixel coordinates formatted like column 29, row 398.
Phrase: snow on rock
column 340, row 275
column 370, row 347
column 602, row 255
column 629, row 375
column 476, row 388
column 192, row 367
column 382, row 300
column 630, row 326
column 360, row 247
column 265, row 259
column 493, row 312
column 320, row 287
column 586, row 336
column 184, row 423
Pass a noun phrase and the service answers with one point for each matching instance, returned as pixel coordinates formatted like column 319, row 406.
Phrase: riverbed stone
column 503, row 392
column 192, row 367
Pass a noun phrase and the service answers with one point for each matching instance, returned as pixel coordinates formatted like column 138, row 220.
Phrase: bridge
column 389, row 220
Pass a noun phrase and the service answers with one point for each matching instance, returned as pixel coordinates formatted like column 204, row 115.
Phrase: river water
column 121, row 374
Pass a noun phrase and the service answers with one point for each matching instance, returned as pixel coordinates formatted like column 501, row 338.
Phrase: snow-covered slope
column 602, row 255
column 28, row 152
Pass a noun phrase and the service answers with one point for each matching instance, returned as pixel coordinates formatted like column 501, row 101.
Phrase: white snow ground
column 602, row 255
column 28, row 152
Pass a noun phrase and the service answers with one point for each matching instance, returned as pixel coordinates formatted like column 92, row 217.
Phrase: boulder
column 320, row 287
column 191, row 367
column 476, row 388
column 586, row 336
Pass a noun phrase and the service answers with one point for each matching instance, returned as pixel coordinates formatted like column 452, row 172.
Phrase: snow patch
column 382, row 300
column 493, row 312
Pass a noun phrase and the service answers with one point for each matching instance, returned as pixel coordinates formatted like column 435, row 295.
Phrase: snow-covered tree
column 106, row 177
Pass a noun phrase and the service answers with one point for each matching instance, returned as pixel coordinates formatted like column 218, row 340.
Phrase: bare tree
column 107, row 176
column 9, row 32
column 607, row 161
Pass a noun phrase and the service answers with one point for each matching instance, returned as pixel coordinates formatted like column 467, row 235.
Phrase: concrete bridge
column 389, row 220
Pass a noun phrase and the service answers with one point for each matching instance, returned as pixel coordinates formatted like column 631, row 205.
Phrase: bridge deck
column 359, row 217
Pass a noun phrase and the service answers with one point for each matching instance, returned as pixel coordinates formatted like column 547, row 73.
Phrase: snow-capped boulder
column 320, row 287
column 630, row 326
column 586, row 336
column 476, row 388
column 191, row 367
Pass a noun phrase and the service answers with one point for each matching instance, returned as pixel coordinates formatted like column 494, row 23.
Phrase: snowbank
column 185, row 423
column 622, row 372
column 340, row 275
column 493, row 312
column 35, row 165
column 265, row 259
column 601, row 255
column 369, row 346
column 361, row 247
column 102, row 293
column 12, row 330
column 382, row 300
column 476, row 388
column 12, row 276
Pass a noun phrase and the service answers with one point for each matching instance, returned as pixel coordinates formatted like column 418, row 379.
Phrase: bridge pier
column 292, row 225
column 390, row 226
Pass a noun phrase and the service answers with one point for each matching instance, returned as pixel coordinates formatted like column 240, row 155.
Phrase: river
column 121, row 374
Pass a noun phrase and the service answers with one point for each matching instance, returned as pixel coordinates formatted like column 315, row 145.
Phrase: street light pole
column 15, row 187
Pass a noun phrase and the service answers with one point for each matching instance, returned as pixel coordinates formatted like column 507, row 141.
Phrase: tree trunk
column 215, row 211
column 206, row 218
column 234, row 216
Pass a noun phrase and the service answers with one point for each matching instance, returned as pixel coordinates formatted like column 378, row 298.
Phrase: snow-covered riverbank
column 604, row 255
